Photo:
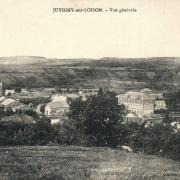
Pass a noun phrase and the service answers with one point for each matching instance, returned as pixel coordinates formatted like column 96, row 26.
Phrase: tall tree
column 98, row 119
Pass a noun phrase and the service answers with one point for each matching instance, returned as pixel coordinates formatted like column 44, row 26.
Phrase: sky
column 30, row 28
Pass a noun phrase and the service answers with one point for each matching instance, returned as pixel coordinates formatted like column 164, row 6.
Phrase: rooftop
column 58, row 104
column 143, row 94
column 7, row 102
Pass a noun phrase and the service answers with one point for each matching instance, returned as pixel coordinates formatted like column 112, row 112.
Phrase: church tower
column 1, row 88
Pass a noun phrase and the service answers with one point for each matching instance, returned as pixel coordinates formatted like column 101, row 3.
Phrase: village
column 54, row 105
column 141, row 105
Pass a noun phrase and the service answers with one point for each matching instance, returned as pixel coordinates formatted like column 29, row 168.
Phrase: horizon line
column 91, row 58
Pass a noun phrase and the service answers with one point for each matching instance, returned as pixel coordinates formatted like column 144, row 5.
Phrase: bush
column 20, row 133
column 15, row 133
column 152, row 140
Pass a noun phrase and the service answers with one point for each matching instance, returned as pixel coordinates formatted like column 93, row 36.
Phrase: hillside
column 56, row 163
column 117, row 73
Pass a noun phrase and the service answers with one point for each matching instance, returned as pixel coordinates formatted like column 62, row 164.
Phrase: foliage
column 21, row 133
column 173, row 100
column 35, row 101
column 30, row 112
column 5, row 112
column 97, row 119
column 14, row 133
column 157, row 139
column 42, row 132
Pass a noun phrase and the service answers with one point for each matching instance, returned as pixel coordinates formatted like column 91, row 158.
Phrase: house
column 7, row 102
column 58, row 97
column 9, row 92
column 24, row 93
column 139, row 102
column 12, row 104
column 132, row 118
column 142, row 103
column 17, row 106
column 160, row 103
column 176, row 126
column 58, row 106
column 2, row 98
column 55, row 121
column 40, row 93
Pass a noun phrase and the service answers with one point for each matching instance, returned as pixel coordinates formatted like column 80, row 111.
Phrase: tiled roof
column 58, row 98
column 58, row 104
column 7, row 102
column 138, row 95
column 2, row 98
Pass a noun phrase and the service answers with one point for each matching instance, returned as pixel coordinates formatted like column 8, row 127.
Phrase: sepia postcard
column 89, row 90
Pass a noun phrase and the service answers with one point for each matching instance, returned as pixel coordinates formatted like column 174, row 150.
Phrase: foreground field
column 82, row 163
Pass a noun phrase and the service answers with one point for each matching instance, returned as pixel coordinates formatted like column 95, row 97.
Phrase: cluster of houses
column 14, row 105
column 55, row 109
column 141, row 105
column 59, row 105
column 10, row 103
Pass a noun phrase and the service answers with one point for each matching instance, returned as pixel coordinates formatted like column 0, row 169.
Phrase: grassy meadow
column 61, row 163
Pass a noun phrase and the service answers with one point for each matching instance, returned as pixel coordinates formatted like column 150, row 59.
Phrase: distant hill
column 37, row 60
column 51, row 61
column 22, row 60
column 159, row 73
